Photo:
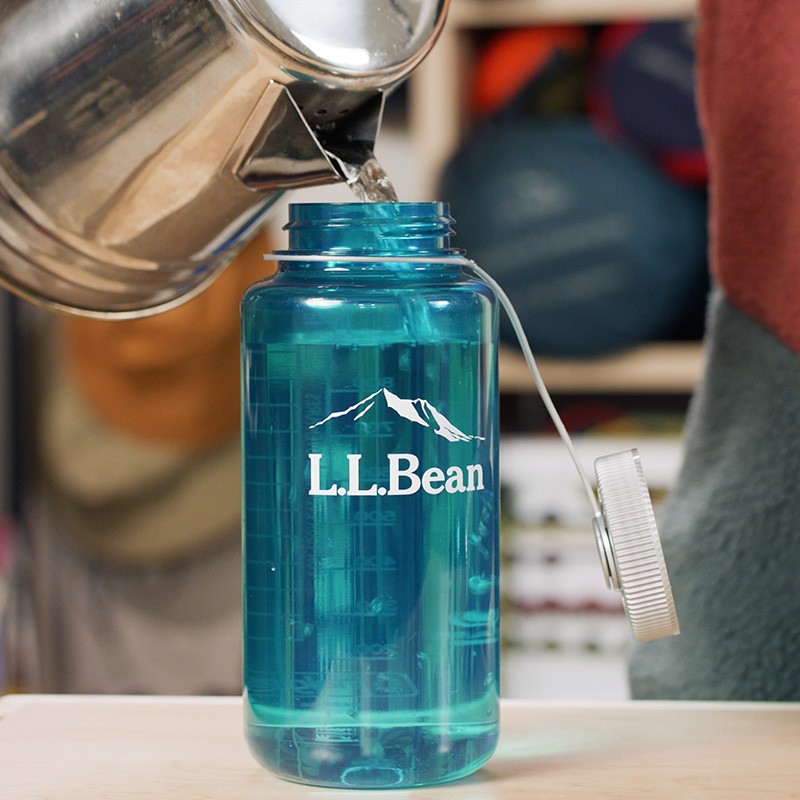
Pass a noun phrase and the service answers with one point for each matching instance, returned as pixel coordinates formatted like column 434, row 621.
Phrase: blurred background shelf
column 656, row 368
column 436, row 90
column 485, row 13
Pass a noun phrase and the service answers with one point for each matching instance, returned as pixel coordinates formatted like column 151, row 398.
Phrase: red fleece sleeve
column 749, row 96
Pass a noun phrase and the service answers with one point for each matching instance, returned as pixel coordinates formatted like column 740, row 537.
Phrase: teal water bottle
column 370, row 436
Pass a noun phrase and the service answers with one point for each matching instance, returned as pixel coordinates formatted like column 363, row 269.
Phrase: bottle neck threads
column 382, row 229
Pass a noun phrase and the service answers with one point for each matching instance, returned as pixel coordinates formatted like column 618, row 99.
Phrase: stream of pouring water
column 369, row 182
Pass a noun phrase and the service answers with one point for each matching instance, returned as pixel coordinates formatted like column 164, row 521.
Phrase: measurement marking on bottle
column 336, row 734
column 370, row 563
column 342, row 686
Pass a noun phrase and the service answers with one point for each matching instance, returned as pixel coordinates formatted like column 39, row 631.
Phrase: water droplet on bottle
column 479, row 585
column 377, row 605
column 299, row 630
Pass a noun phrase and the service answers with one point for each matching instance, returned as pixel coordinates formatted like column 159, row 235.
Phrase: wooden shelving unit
column 436, row 88
column 505, row 13
column 437, row 122
column 658, row 368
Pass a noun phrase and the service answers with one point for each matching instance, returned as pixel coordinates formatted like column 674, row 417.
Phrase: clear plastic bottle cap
column 630, row 548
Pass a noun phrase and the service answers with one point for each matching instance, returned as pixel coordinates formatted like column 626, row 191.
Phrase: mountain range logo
column 418, row 411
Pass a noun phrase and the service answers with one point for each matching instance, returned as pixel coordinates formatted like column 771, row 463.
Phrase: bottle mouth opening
column 376, row 227
column 380, row 211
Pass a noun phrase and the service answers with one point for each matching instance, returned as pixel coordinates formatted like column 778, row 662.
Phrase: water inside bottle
column 371, row 606
column 372, row 620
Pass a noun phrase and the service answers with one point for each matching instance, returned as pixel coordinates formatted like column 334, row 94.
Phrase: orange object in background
column 511, row 59
column 172, row 378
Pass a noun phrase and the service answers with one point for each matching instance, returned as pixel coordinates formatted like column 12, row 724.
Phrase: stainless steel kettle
column 143, row 141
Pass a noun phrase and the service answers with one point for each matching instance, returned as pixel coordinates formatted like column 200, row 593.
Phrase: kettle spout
column 279, row 149
column 350, row 148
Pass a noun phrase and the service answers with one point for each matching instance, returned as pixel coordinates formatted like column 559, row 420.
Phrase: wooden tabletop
column 130, row 748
